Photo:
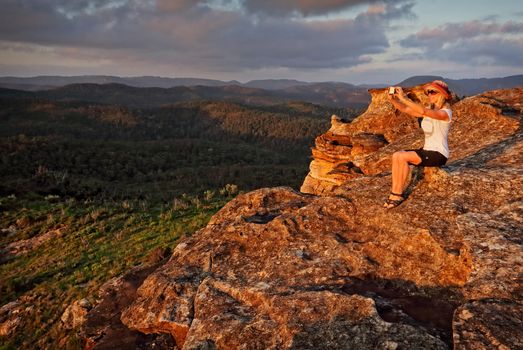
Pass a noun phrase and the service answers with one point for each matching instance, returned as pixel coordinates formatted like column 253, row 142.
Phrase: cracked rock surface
column 333, row 269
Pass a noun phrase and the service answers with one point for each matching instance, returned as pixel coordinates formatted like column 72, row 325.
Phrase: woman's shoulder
column 447, row 110
column 446, row 107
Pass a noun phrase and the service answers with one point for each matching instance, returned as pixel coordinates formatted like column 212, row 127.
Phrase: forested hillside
column 326, row 94
column 81, row 149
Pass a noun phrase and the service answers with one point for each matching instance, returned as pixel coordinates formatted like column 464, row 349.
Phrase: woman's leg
column 400, row 170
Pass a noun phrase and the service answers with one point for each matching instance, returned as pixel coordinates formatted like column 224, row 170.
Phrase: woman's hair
column 444, row 93
column 440, row 102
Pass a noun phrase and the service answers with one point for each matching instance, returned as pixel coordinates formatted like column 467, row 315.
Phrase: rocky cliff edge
column 330, row 268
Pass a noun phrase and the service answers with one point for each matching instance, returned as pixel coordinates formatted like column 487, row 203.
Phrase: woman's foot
column 393, row 201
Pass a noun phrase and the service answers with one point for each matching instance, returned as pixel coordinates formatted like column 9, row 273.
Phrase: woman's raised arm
column 404, row 104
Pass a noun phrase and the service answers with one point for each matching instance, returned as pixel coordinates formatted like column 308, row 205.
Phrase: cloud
column 76, row 23
column 175, row 5
column 305, row 8
column 230, row 40
column 204, row 34
column 487, row 51
column 474, row 42
column 302, row 7
column 452, row 32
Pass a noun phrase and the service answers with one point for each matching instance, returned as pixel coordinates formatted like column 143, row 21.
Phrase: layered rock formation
column 365, row 146
column 278, row 269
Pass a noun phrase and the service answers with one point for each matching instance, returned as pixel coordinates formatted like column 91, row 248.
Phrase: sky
column 354, row 41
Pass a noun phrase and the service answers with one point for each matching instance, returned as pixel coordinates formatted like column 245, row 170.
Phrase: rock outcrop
column 26, row 245
column 333, row 269
column 75, row 314
column 10, row 317
column 488, row 324
column 102, row 328
column 364, row 146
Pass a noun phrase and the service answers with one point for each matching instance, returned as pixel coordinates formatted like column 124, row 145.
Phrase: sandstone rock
column 365, row 143
column 478, row 122
column 10, row 318
column 338, row 126
column 498, row 269
column 26, row 245
column 258, row 248
column 103, row 329
column 75, row 314
column 317, row 185
column 373, row 130
column 9, row 326
column 489, row 324
column 256, row 319
column 278, row 269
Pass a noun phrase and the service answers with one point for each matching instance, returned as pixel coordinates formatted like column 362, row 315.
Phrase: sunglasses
column 431, row 92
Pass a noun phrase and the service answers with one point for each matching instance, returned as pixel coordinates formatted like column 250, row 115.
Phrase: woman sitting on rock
column 435, row 125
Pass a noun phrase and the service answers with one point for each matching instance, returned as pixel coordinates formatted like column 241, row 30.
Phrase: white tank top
column 436, row 133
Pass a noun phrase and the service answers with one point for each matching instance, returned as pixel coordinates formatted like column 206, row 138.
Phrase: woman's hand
column 402, row 103
column 390, row 97
column 400, row 93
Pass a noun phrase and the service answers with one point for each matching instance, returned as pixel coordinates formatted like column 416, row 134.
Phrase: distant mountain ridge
column 327, row 94
column 274, row 84
column 147, row 91
column 468, row 87
column 46, row 82
column 51, row 81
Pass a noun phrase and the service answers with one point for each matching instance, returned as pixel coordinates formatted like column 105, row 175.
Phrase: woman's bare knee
column 396, row 156
column 412, row 158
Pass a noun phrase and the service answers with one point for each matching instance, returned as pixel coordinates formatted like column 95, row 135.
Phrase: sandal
column 393, row 203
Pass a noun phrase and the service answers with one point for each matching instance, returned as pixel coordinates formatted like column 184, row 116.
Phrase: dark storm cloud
column 474, row 42
column 282, row 8
column 275, row 7
column 301, row 45
column 196, row 34
column 177, row 5
column 82, row 23
column 303, row 7
column 232, row 40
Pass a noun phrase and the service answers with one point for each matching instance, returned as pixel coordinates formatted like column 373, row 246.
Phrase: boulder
column 24, row 246
column 269, row 253
column 74, row 315
column 10, row 318
column 365, row 143
column 102, row 328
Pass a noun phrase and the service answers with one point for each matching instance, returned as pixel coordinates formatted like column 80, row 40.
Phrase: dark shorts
column 429, row 158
